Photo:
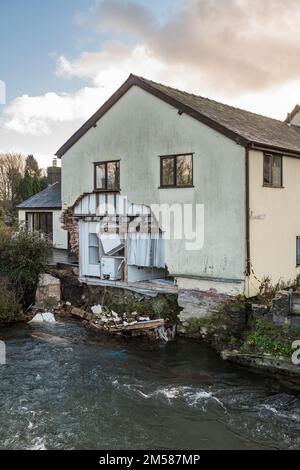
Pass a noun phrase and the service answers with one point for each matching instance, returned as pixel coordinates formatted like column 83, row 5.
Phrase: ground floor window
column 40, row 222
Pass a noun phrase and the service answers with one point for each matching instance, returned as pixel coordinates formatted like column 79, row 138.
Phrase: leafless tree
column 11, row 171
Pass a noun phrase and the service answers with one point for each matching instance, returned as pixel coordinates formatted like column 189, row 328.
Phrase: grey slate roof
column 255, row 128
column 49, row 198
column 245, row 127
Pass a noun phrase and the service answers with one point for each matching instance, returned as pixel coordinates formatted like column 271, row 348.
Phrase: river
column 65, row 387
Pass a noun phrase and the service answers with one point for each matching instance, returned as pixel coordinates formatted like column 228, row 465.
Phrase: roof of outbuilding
column 49, row 198
column 242, row 126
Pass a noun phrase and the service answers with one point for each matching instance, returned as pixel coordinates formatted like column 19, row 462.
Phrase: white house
column 158, row 146
column 42, row 212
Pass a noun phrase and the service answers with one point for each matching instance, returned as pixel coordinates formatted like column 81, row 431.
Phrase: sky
column 61, row 60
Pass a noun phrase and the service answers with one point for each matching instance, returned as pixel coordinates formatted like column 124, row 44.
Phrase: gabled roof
column 49, row 198
column 242, row 126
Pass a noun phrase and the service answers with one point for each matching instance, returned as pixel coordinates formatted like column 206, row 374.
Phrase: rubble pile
column 99, row 318
column 133, row 324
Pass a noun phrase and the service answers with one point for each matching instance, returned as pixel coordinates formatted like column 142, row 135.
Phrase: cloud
column 88, row 64
column 35, row 114
column 238, row 45
column 107, row 70
column 244, row 52
column 116, row 15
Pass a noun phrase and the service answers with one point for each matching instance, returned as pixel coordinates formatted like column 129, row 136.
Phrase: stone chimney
column 54, row 173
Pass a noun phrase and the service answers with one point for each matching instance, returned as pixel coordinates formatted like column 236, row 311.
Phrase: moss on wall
column 225, row 328
column 266, row 337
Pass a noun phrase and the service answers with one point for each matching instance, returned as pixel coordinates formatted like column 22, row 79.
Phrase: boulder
column 48, row 291
column 46, row 317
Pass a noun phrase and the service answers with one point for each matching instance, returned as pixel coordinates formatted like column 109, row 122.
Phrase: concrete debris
column 97, row 310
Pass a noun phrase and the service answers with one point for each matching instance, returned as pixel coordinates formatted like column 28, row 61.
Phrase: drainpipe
column 248, row 261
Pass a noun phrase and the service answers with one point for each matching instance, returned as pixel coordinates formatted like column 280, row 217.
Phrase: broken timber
column 153, row 328
column 140, row 325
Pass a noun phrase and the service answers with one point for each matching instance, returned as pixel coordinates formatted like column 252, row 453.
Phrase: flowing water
column 65, row 387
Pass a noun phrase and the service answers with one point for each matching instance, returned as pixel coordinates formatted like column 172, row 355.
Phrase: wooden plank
column 147, row 325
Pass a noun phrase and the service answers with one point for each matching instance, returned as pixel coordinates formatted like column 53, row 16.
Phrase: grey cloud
column 118, row 15
column 239, row 45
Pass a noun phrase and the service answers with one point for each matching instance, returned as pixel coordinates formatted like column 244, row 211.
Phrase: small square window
column 176, row 171
column 272, row 170
column 107, row 176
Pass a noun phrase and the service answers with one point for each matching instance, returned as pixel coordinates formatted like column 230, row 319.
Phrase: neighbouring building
column 157, row 145
column 41, row 213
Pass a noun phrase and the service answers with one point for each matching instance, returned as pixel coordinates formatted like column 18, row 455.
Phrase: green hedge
column 23, row 256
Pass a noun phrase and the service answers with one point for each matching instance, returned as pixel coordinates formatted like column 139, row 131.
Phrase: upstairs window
column 272, row 170
column 107, row 176
column 176, row 171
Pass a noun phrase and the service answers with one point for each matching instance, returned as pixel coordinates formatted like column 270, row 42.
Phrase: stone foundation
column 284, row 309
column 216, row 318
column 120, row 300
column 200, row 304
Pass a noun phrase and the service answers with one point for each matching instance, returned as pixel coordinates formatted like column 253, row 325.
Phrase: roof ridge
column 208, row 99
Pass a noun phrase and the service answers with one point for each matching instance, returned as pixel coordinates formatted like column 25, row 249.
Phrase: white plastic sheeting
column 158, row 251
column 146, row 251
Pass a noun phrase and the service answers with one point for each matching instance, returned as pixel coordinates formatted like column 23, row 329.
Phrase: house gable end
column 146, row 86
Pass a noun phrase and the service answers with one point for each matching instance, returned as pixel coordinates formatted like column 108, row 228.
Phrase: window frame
column 36, row 217
column 272, row 155
column 174, row 157
column 105, row 190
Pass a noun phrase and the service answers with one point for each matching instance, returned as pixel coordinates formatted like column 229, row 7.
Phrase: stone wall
column 48, row 290
column 198, row 304
column 221, row 322
column 285, row 309
column 70, row 224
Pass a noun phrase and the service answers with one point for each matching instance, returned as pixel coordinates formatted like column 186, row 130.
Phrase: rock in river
column 46, row 317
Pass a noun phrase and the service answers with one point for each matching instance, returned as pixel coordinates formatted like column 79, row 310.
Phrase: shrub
column 269, row 338
column 23, row 256
column 10, row 309
column 267, row 290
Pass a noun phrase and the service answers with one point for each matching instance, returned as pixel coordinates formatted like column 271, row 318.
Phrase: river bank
column 255, row 335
